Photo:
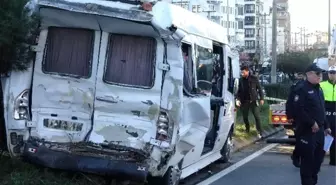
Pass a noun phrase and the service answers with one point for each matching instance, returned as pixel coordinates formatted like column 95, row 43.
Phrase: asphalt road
column 274, row 167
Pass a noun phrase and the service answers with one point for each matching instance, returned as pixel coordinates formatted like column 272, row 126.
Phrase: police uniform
column 310, row 108
column 329, row 91
column 290, row 113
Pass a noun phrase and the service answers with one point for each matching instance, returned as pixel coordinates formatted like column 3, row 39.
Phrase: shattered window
column 188, row 72
column 130, row 60
column 204, row 69
column 69, row 51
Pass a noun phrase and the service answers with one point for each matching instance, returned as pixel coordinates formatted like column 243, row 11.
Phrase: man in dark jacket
column 311, row 124
column 247, row 98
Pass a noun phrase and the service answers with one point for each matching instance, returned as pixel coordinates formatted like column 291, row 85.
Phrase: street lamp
column 329, row 26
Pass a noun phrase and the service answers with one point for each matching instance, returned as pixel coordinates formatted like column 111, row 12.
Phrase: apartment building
column 253, row 28
column 227, row 13
column 240, row 33
column 284, row 23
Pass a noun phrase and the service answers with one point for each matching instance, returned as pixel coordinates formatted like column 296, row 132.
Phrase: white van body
column 85, row 104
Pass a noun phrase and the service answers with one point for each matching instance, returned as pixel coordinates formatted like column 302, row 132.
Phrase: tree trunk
column 2, row 121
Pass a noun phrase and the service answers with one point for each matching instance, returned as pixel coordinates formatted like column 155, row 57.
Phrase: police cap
column 313, row 67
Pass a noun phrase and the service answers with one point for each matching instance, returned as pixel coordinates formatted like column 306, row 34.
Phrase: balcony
column 216, row 15
column 215, row 1
column 250, row 11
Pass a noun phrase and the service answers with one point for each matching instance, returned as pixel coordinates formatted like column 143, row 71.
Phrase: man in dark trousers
column 312, row 125
column 290, row 113
column 247, row 98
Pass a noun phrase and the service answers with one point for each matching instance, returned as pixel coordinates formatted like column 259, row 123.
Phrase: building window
column 250, row 32
column 240, row 10
column 249, row 20
column 250, row 8
column 199, row 8
column 211, row 7
column 223, row 9
column 241, row 24
column 194, row 8
column 250, row 44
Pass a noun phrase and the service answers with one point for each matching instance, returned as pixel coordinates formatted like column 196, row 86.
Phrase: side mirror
column 235, row 86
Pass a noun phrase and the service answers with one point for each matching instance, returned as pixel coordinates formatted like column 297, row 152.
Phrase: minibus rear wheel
column 171, row 177
column 227, row 148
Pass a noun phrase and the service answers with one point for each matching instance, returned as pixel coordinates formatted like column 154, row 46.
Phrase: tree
column 294, row 62
column 18, row 30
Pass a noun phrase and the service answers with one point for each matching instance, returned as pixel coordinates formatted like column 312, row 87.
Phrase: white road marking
column 233, row 167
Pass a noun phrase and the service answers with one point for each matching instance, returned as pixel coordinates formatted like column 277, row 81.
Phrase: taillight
column 282, row 119
column 21, row 106
column 163, row 127
column 275, row 118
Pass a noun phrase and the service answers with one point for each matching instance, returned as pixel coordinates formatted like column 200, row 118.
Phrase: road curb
column 246, row 143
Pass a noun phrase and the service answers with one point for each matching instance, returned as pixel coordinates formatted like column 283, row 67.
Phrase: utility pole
column 329, row 26
column 295, row 40
column 265, row 35
column 304, row 39
column 228, row 19
column 274, row 43
column 301, row 30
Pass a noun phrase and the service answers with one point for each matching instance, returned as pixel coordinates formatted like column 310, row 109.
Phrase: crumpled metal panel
column 116, row 10
column 67, row 161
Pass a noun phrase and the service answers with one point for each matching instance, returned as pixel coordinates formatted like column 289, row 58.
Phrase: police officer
column 290, row 113
column 329, row 91
column 312, row 123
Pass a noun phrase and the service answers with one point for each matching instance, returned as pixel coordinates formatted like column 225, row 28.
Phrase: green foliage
column 18, row 31
column 293, row 62
column 279, row 90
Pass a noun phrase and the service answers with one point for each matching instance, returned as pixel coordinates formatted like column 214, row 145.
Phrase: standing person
column 312, row 123
column 290, row 113
column 329, row 91
column 247, row 98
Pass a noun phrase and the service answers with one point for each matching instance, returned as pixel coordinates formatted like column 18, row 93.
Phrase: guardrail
column 275, row 99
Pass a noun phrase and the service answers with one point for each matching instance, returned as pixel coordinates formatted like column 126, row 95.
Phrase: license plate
column 62, row 125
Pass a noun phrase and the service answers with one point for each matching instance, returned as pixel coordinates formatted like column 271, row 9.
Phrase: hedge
column 279, row 90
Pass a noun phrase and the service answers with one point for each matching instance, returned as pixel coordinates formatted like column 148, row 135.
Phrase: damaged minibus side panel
column 127, row 102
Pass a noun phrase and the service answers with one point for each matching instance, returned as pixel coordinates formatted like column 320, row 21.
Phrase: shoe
column 296, row 161
column 247, row 130
column 332, row 163
column 260, row 136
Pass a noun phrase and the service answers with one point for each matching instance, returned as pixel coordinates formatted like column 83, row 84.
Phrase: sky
column 312, row 14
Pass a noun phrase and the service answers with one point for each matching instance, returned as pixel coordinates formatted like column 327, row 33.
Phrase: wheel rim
column 175, row 175
column 229, row 147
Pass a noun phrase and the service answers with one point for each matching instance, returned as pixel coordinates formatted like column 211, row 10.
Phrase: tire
column 227, row 149
column 171, row 177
